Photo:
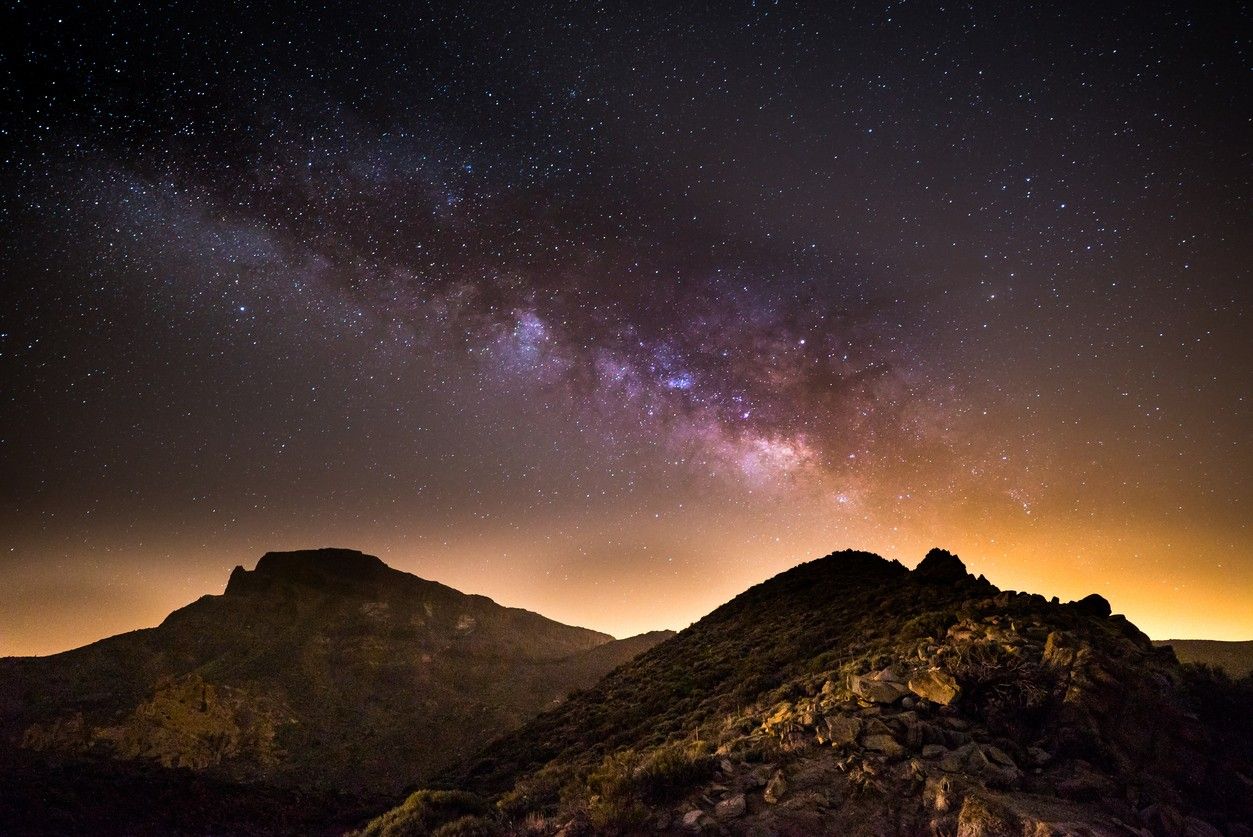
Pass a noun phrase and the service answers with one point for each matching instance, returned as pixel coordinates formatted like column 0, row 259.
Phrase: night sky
column 611, row 311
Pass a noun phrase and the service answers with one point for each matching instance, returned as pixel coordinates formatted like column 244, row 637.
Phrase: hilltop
column 851, row 695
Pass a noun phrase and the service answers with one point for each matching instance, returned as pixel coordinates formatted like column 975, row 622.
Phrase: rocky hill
column 1235, row 658
column 322, row 669
column 850, row 695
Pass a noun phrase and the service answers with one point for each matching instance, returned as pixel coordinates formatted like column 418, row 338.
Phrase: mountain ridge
column 849, row 695
column 318, row 668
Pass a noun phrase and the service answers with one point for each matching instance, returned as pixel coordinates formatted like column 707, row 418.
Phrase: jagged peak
column 941, row 567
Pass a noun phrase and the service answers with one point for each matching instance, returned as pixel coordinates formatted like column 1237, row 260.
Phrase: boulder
column 839, row 730
column 1095, row 605
column 936, row 686
column 877, row 691
column 731, row 807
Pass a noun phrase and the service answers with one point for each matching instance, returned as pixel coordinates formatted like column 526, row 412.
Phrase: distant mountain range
column 319, row 669
column 1236, row 658
column 846, row 696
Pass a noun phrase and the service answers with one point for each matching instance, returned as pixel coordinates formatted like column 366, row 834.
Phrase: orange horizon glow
column 46, row 616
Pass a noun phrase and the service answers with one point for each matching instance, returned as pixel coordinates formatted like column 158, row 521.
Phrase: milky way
column 612, row 312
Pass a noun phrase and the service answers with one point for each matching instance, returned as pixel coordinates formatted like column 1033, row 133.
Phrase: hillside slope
column 852, row 696
column 322, row 668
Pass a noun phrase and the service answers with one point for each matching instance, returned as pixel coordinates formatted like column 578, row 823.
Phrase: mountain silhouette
column 319, row 669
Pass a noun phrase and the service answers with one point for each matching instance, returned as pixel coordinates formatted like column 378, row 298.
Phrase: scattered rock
column 691, row 820
column 775, row 788
column 885, row 744
column 756, row 778
column 1039, row 756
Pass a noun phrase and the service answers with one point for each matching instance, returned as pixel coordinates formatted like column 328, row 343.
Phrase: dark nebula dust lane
column 611, row 311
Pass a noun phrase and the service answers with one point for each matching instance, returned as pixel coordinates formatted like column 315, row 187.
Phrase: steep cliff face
column 321, row 668
column 851, row 696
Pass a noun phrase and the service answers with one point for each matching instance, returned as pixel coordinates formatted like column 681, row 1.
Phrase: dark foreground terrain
column 846, row 696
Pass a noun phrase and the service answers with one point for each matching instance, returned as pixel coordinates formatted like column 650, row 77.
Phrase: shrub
column 668, row 771
column 619, row 788
column 934, row 624
column 466, row 827
column 1008, row 691
column 425, row 811
column 538, row 791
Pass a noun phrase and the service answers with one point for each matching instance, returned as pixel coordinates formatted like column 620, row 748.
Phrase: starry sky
column 610, row 311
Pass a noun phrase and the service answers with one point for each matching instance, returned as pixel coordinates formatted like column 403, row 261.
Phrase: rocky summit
column 319, row 669
column 851, row 696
